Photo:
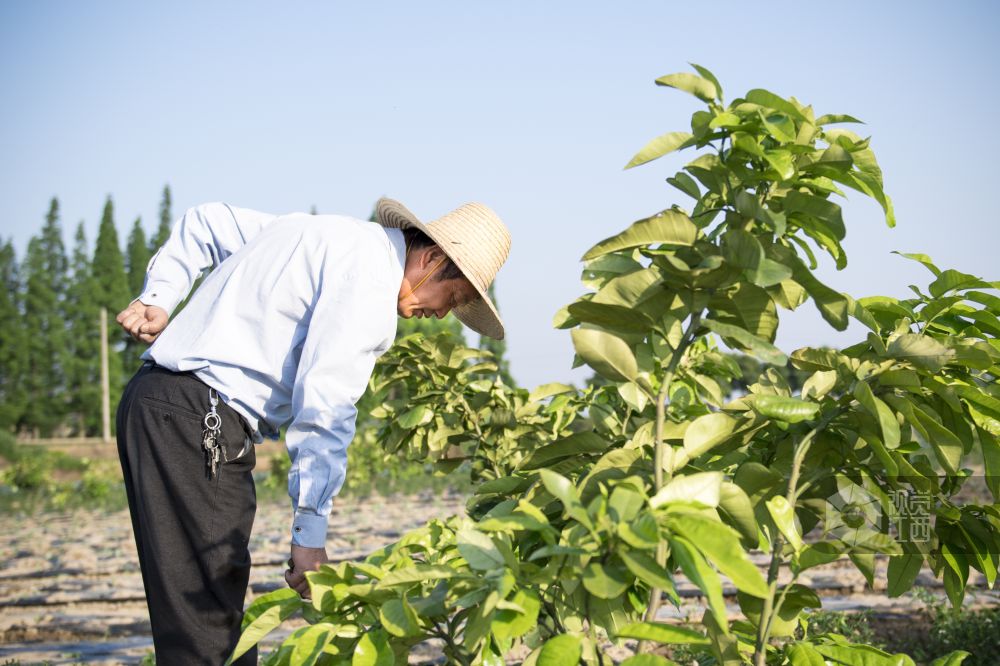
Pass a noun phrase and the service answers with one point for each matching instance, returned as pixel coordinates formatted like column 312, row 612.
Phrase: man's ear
column 431, row 255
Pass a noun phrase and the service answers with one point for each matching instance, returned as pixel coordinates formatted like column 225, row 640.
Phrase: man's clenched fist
column 302, row 560
column 143, row 322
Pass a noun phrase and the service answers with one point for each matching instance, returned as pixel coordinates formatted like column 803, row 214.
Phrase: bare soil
column 71, row 592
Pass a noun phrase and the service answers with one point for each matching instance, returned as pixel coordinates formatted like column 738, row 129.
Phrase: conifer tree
column 166, row 220
column 13, row 343
column 136, row 258
column 111, row 291
column 83, row 368
column 45, row 284
column 497, row 347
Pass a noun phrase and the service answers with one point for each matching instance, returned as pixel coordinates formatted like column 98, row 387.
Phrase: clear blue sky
column 530, row 107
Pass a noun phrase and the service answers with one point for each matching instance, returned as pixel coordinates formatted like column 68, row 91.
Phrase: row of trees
column 50, row 322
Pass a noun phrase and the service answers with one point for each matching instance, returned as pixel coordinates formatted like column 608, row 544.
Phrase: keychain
column 210, row 436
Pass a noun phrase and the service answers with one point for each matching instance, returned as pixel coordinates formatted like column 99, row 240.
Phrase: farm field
column 70, row 589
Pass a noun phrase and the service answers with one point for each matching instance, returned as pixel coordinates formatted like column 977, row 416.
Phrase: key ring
column 212, row 421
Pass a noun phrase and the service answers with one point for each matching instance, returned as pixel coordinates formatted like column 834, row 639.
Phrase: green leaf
column 575, row 444
column 881, row 412
column 721, row 544
column 954, row 658
column 804, row 654
column 310, row 643
column 819, row 384
column 770, row 100
column 633, row 396
column 725, row 119
column 817, row 207
column 697, row 570
column 707, row 432
column 808, row 358
column 783, row 515
column 920, row 350
column 660, row 146
column 701, row 88
column 609, row 356
column 742, row 249
column 922, row 258
column 549, row 390
column 418, row 416
column 416, row 574
column 739, row 337
column 831, row 304
column 373, row 650
column 782, row 162
column 736, row 509
column 710, row 77
column 479, row 550
column 643, row 533
column 399, row 618
column 902, row 572
column 947, row 446
column 835, row 156
column 870, row 185
column 645, row 567
column 685, row 184
column 662, row 633
column 769, row 273
column 832, row 118
column 549, row 551
column 648, row 660
column 564, row 490
column 991, row 302
column 702, row 487
column 789, row 410
column 509, row 623
column 670, row 227
column 606, row 581
column 561, row 650
column 952, row 280
column 861, row 655
column 778, row 126
column 263, row 615
column 611, row 317
column 632, row 289
column 748, row 307
column 786, row 621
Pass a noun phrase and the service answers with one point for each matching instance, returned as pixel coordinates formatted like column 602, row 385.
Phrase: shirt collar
column 399, row 245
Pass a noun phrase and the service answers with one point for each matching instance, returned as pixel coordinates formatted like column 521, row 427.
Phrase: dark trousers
column 192, row 532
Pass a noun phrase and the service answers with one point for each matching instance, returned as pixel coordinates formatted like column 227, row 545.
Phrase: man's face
column 433, row 298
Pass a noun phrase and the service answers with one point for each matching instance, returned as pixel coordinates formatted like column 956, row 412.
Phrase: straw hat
column 475, row 239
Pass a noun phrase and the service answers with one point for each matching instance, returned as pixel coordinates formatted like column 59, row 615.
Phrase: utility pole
column 105, row 380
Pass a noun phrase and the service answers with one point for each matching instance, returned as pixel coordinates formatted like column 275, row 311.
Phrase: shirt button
column 298, row 529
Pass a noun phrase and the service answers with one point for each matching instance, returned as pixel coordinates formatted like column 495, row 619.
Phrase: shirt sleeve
column 352, row 324
column 201, row 239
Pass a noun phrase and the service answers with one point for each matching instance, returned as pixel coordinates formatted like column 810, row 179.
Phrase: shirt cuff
column 160, row 294
column 309, row 530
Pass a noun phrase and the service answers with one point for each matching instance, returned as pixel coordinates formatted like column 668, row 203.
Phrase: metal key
column 210, row 436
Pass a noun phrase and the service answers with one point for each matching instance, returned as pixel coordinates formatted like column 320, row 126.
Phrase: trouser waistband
column 150, row 365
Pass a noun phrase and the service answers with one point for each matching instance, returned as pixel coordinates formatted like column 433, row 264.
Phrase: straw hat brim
column 479, row 314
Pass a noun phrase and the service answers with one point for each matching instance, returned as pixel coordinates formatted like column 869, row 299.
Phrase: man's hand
column 143, row 322
column 302, row 560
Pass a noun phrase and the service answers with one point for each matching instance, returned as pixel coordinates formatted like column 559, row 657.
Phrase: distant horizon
column 532, row 109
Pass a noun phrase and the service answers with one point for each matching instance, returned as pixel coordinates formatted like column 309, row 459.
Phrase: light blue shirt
column 286, row 328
